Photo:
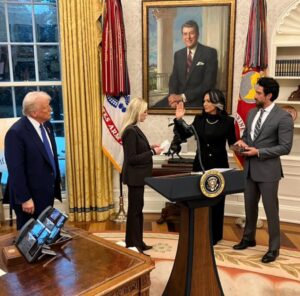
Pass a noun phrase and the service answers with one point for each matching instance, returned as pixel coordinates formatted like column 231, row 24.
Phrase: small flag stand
column 121, row 216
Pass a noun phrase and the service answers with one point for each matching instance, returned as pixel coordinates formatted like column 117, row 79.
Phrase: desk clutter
column 12, row 256
column 39, row 237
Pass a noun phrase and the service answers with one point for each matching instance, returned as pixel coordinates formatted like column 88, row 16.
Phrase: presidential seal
column 212, row 183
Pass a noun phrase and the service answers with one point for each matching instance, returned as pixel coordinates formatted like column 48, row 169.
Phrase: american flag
column 115, row 80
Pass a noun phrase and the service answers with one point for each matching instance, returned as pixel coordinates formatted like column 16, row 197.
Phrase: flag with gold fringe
column 115, row 81
column 255, row 65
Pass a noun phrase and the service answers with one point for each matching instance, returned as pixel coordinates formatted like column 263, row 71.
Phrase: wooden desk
column 173, row 168
column 88, row 265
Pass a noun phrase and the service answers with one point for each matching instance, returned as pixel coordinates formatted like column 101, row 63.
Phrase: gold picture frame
column 162, row 21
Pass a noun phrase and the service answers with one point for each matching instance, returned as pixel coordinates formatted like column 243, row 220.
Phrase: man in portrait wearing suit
column 31, row 158
column 194, row 70
column 267, row 136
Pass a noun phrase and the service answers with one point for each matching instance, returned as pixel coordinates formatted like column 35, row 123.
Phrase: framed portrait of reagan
column 188, row 48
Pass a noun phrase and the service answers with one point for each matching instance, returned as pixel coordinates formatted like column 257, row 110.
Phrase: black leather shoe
column 146, row 247
column 244, row 244
column 270, row 256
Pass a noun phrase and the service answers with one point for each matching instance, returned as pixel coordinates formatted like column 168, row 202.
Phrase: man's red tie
column 189, row 62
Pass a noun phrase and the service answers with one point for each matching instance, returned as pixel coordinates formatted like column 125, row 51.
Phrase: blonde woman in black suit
column 136, row 167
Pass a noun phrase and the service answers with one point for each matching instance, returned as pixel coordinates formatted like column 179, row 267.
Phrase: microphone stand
column 198, row 148
column 121, row 215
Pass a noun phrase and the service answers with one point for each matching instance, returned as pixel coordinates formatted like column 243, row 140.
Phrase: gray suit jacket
column 275, row 138
column 202, row 76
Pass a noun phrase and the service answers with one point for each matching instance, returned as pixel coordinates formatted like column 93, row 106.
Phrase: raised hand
column 180, row 111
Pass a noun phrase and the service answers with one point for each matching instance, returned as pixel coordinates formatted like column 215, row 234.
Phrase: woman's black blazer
column 138, row 162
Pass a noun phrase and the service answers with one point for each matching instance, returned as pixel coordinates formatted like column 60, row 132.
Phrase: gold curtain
column 89, row 173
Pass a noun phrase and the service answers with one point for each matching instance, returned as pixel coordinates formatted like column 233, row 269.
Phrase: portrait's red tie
column 189, row 62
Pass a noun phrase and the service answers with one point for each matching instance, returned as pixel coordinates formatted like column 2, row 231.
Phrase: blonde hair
column 30, row 101
column 136, row 107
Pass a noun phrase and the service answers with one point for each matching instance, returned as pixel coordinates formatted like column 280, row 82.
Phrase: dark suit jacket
column 137, row 157
column 30, row 174
column 274, row 139
column 202, row 76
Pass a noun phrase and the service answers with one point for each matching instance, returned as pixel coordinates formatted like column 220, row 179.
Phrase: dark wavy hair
column 216, row 97
column 270, row 86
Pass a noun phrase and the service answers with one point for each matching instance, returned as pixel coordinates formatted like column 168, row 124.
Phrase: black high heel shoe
column 146, row 247
column 141, row 251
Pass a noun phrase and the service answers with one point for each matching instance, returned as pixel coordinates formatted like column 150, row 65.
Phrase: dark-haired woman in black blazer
column 214, row 128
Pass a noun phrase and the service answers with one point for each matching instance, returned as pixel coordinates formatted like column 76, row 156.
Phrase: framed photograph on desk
column 163, row 40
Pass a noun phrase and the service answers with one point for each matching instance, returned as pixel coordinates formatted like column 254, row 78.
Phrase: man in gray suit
column 194, row 70
column 267, row 136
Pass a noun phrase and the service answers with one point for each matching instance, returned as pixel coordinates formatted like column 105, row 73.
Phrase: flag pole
column 255, row 66
column 116, row 88
column 121, row 216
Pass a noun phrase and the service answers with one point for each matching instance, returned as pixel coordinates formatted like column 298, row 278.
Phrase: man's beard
column 259, row 104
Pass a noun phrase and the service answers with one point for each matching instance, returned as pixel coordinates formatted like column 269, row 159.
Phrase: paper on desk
column 2, row 272
column 165, row 146
column 222, row 170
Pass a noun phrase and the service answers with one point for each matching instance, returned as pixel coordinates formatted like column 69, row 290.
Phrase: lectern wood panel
column 195, row 258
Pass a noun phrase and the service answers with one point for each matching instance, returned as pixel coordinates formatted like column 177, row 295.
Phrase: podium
column 194, row 272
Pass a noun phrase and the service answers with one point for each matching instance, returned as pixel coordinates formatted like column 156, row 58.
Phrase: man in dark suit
column 267, row 136
column 31, row 158
column 194, row 70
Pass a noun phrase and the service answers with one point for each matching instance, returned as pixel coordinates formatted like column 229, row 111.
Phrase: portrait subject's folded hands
column 174, row 100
